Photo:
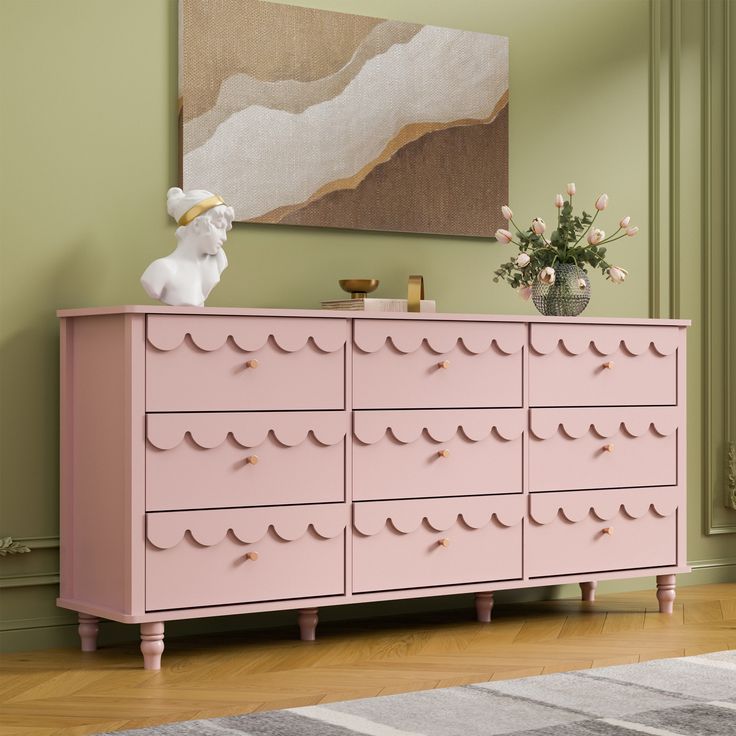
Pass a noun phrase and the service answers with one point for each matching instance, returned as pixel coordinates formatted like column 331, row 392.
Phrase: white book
column 378, row 305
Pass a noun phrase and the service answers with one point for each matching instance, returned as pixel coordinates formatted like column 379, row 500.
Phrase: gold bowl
column 359, row 288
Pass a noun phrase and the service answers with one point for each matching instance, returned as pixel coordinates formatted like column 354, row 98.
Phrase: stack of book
column 366, row 304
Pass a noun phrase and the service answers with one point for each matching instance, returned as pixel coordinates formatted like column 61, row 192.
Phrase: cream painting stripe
column 260, row 159
column 351, row 722
column 639, row 727
column 239, row 91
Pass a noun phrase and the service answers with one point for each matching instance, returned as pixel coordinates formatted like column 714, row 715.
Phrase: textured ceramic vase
column 564, row 298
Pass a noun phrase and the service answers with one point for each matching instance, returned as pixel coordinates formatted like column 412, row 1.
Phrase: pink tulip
column 506, row 212
column 503, row 236
column 522, row 260
column 538, row 225
column 632, row 231
column 547, row 275
column 617, row 274
column 602, row 202
column 571, row 188
column 525, row 293
column 624, row 222
column 559, row 201
column 596, row 235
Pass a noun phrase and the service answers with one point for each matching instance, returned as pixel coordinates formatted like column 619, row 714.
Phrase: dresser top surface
column 338, row 314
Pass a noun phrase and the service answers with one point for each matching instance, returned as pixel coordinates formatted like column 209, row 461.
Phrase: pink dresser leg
column 483, row 607
column 666, row 592
column 588, row 590
column 308, row 624
column 152, row 645
column 88, row 628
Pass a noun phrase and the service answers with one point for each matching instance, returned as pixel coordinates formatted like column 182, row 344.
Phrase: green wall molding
column 29, row 579
column 719, row 392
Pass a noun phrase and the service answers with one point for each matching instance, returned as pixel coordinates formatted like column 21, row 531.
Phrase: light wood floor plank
column 67, row 693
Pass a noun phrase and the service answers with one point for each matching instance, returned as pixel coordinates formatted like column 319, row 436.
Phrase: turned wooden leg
column 666, row 592
column 308, row 620
column 88, row 628
column 483, row 607
column 152, row 645
column 588, row 590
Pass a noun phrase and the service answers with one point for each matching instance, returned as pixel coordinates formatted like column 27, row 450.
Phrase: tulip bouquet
column 575, row 244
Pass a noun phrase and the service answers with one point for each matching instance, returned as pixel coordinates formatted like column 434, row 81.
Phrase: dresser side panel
column 96, row 464
column 682, row 448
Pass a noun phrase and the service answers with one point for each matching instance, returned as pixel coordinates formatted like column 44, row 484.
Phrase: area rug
column 687, row 696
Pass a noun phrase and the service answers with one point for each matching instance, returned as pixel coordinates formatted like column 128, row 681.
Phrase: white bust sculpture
column 187, row 276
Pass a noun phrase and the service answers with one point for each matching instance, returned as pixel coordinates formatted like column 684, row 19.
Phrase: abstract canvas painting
column 299, row 116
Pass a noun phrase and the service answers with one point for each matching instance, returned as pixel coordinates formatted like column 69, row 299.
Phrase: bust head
column 203, row 219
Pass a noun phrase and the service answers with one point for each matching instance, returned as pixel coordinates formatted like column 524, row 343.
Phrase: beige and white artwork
column 299, row 116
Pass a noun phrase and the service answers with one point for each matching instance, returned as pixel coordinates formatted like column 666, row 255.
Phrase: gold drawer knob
column 443, row 453
column 252, row 363
column 443, row 364
column 609, row 365
column 252, row 460
column 608, row 530
column 251, row 556
column 444, row 542
column 608, row 448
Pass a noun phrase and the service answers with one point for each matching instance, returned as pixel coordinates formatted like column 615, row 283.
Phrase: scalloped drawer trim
column 604, row 339
column 370, row 517
column 248, row 333
column 577, row 505
column 208, row 528
column 441, row 425
column 604, row 421
column 248, row 429
column 440, row 337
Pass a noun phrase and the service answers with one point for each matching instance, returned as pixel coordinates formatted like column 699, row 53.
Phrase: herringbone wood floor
column 67, row 692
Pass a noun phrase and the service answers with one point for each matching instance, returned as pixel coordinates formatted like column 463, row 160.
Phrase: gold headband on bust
column 200, row 208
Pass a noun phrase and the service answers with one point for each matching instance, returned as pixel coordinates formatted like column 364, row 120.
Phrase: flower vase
column 567, row 297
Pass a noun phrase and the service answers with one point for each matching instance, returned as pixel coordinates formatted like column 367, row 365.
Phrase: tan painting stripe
column 248, row 36
column 241, row 91
column 406, row 135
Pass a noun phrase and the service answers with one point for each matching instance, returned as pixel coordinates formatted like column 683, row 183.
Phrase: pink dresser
column 221, row 461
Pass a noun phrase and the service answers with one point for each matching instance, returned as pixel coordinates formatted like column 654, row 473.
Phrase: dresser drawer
column 212, row 460
column 209, row 363
column 572, row 533
column 424, row 364
column 602, row 365
column 412, row 454
column 210, row 558
column 417, row 544
column 573, row 449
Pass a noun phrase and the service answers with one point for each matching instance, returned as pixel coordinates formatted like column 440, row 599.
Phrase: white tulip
column 617, row 274
column 522, row 260
column 506, row 212
column 632, row 231
column 559, row 201
column 602, row 202
column 571, row 188
column 503, row 236
column 624, row 222
column 538, row 225
column 547, row 275
column 596, row 235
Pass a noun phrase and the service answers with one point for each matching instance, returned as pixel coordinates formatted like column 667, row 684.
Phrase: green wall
column 88, row 149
